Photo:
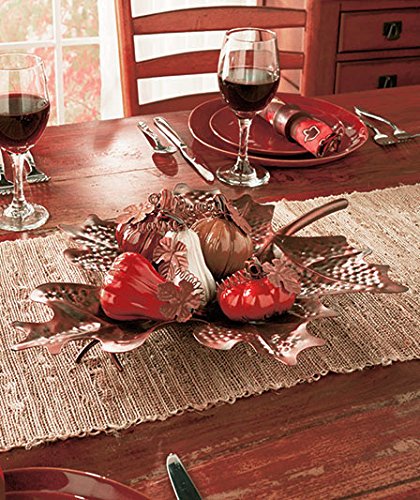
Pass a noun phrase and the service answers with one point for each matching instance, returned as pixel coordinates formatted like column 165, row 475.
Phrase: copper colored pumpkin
column 225, row 246
column 131, row 237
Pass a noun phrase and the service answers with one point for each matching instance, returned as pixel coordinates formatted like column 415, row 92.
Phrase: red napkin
column 313, row 134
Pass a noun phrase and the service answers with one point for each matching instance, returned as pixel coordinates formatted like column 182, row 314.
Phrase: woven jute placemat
column 46, row 398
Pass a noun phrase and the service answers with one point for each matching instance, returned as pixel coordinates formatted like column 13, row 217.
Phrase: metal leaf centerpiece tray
column 324, row 265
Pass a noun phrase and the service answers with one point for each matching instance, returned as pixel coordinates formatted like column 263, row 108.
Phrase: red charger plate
column 356, row 133
column 37, row 483
column 262, row 141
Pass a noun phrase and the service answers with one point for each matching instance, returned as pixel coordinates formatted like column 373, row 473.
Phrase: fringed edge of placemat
column 116, row 429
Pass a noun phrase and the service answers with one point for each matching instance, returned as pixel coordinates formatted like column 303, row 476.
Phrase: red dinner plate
column 37, row 483
column 355, row 136
column 262, row 140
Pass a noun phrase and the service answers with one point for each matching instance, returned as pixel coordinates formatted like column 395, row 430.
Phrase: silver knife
column 181, row 482
column 186, row 152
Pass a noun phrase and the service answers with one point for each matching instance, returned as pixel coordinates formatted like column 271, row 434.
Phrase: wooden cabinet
column 361, row 75
column 353, row 45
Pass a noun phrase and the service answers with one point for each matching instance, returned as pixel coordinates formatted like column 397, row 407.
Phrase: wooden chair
column 190, row 20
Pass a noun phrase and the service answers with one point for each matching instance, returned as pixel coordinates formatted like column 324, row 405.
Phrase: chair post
column 127, row 57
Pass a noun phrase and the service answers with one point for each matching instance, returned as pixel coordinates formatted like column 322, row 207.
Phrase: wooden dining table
column 348, row 435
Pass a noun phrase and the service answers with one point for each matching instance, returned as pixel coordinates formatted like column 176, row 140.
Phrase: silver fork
column 6, row 187
column 379, row 137
column 34, row 175
column 399, row 133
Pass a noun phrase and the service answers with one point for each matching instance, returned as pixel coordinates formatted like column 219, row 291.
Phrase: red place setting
column 212, row 125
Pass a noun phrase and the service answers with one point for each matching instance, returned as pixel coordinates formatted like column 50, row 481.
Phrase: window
column 65, row 33
column 78, row 43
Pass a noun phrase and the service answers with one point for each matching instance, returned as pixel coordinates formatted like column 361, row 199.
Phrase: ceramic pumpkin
column 225, row 246
column 130, row 289
column 246, row 299
column 131, row 238
column 195, row 262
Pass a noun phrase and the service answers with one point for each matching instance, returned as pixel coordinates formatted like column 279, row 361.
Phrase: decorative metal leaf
column 283, row 337
column 96, row 238
column 83, row 296
column 170, row 255
column 258, row 216
column 68, row 323
column 77, row 316
column 181, row 300
column 329, row 265
column 280, row 272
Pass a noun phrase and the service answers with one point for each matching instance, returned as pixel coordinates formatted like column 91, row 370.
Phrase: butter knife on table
column 181, row 482
column 186, row 152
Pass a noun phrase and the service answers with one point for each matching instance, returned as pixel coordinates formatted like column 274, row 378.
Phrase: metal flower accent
column 170, row 255
column 268, row 309
column 135, row 213
column 180, row 300
column 280, row 273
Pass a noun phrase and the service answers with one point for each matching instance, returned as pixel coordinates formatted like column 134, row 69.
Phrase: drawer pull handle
column 387, row 81
column 392, row 30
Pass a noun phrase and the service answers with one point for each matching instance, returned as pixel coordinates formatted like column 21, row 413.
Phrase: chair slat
column 189, row 20
column 217, row 19
column 199, row 62
column 177, row 103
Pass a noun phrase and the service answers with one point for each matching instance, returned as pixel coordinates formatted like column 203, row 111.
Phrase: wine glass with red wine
column 24, row 112
column 248, row 75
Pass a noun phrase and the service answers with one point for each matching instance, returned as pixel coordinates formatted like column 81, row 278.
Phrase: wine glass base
column 258, row 177
column 34, row 219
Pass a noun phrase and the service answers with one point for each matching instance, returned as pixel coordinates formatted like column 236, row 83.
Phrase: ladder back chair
column 200, row 19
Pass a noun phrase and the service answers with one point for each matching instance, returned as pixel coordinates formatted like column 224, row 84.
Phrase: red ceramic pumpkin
column 130, row 289
column 253, row 299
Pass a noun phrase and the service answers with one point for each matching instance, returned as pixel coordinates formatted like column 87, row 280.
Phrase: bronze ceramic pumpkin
column 225, row 246
column 132, row 237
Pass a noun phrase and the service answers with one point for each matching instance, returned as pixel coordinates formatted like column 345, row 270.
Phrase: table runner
column 46, row 398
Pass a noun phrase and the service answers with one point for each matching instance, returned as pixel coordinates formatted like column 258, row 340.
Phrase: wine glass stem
column 242, row 165
column 19, row 206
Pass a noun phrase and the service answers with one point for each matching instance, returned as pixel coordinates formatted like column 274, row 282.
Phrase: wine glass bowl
column 24, row 113
column 248, row 77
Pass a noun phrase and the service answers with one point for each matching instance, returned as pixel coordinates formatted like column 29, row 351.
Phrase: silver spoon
column 154, row 140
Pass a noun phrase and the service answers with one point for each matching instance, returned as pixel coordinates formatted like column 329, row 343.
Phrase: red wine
column 23, row 118
column 249, row 89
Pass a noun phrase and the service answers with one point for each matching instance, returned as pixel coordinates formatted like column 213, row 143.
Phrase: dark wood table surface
column 345, row 436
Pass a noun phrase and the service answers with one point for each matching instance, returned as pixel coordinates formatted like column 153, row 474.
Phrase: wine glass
column 24, row 112
column 248, row 75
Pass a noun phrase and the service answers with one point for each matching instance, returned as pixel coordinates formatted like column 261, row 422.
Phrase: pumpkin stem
column 254, row 268
column 220, row 204
column 231, row 213
column 175, row 218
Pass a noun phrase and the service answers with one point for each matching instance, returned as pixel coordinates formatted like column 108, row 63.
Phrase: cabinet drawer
column 365, row 75
column 379, row 30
